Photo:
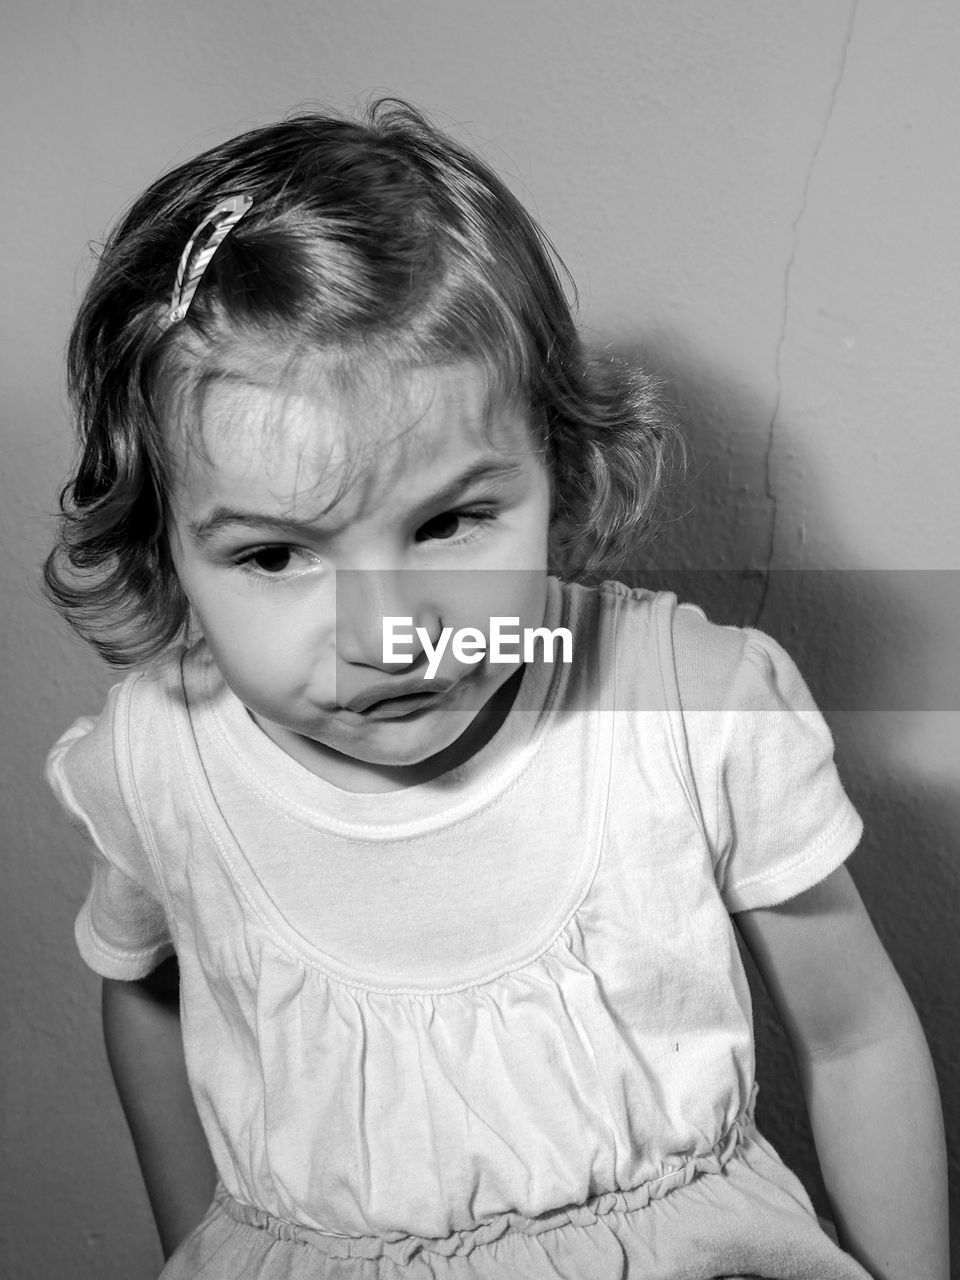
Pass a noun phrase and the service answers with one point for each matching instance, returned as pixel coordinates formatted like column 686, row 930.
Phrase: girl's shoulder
column 703, row 665
column 121, row 929
column 136, row 697
column 89, row 766
column 755, row 750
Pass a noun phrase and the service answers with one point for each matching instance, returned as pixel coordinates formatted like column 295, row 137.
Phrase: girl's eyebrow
column 496, row 469
column 210, row 525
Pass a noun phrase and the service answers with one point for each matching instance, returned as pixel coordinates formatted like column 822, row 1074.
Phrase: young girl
column 459, row 990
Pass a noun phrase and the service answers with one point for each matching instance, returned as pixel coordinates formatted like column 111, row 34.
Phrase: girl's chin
column 394, row 745
column 386, row 761
column 389, row 741
column 397, row 735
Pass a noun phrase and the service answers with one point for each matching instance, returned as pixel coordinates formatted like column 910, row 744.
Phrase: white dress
column 495, row 1025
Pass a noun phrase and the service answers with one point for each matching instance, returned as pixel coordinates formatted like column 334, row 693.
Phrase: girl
column 459, row 990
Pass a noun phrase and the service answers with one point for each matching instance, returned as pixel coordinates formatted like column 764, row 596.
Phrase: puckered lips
column 393, row 698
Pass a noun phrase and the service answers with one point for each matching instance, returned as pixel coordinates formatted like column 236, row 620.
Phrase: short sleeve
column 777, row 816
column 121, row 929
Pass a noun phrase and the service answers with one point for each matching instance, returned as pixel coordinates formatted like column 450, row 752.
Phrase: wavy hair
column 380, row 238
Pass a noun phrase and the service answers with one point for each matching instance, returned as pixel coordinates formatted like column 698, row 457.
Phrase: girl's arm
column 141, row 1028
column 867, row 1077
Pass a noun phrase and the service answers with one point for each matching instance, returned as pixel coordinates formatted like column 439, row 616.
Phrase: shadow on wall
column 878, row 650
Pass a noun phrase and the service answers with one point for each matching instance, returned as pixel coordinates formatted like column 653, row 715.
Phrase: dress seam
column 126, row 777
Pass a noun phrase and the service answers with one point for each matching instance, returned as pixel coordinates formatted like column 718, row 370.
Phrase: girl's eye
column 439, row 527
column 454, row 525
column 277, row 560
column 270, row 559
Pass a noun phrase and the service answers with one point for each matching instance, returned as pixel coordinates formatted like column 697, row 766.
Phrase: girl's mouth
column 399, row 707
column 395, row 698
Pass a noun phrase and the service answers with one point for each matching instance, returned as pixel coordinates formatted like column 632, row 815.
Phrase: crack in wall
column 770, row 492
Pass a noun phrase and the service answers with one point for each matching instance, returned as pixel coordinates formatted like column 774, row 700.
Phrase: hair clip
column 200, row 248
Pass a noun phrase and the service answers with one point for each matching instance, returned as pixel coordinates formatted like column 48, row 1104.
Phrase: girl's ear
column 558, row 544
column 192, row 631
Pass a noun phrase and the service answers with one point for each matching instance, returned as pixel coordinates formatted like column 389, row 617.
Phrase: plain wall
column 760, row 197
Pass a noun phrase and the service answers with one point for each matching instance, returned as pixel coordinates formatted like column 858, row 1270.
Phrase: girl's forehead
column 319, row 436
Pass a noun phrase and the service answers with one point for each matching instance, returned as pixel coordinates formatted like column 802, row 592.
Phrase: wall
column 760, row 198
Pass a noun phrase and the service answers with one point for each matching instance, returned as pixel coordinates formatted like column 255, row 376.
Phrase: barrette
column 202, row 245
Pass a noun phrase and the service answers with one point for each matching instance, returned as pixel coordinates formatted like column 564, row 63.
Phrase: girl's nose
column 365, row 597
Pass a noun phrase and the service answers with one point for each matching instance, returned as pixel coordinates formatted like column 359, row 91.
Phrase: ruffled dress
column 491, row 1026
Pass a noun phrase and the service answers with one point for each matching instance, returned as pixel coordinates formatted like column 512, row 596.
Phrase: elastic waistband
column 401, row 1248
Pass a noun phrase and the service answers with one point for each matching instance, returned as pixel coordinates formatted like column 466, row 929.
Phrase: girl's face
column 309, row 516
